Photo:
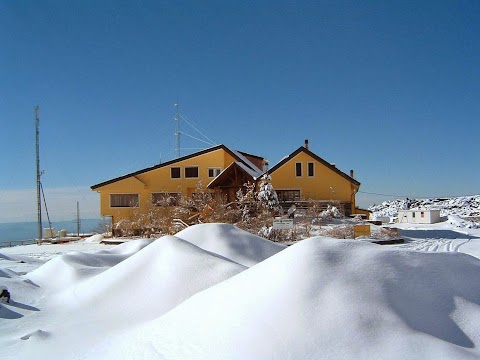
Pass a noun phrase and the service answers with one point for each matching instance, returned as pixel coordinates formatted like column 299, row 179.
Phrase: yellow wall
column 159, row 180
column 324, row 185
column 363, row 212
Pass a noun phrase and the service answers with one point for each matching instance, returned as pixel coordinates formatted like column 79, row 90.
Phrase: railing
column 342, row 206
column 180, row 222
column 13, row 243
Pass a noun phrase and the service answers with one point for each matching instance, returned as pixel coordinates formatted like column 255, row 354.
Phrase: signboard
column 282, row 224
column 361, row 230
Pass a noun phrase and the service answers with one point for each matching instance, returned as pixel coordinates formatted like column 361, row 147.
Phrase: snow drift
column 324, row 299
column 61, row 271
column 143, row 286
column 233, row 243
column 321, row 298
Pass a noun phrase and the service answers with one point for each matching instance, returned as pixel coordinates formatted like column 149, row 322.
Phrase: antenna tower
column 78, row 219
column 37, row 152
column 177, row 132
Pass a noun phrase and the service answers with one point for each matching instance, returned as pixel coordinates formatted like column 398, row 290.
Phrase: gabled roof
column 248, row 165
column 235, row 167
column 236, row 155
column 316, row 157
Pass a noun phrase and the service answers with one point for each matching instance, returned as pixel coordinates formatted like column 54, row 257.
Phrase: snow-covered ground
column 464, row 206
column 216, row 292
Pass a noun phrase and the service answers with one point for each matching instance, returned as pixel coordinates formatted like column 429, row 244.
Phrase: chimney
column 351, row 174
column 306, row 144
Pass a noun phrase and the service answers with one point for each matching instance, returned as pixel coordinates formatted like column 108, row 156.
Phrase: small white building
column 419, row 216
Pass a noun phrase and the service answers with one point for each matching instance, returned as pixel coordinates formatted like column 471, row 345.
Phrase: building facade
column 419, row 216
column 299, row 178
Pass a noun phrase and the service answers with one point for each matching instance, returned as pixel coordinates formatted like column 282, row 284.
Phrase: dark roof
column 316, row 157
column 186, row 157
column 225, row 173
column 248, row 154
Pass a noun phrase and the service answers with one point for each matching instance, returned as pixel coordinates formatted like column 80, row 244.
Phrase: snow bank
column 231, row 242
column 62, row 271
column 323, row 298
column 140, row 288
column 94, row 238
column 169, row 271
column 458, row 222
column 461, row 206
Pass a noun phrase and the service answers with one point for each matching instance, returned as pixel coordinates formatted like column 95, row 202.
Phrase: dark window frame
column 214, row 170
column 298, row 169
column 310, row 169
column 124, row 200
column 175, row 168
column 288, row 195
column 165, row 199
column 191, row 168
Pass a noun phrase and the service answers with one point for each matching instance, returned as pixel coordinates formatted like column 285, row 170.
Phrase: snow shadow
column 427, row 303
column 23, row 306
column 5, row 257
column 6, row 313
column 4, row 274
column 434, row 234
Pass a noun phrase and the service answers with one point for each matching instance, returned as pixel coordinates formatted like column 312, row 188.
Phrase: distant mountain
column 464, row 206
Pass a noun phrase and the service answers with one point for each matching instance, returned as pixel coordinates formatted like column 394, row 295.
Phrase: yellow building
column 305, row 176
column 166, row 182
column 301, row 176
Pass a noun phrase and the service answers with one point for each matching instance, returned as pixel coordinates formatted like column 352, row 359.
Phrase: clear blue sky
column 388, row 88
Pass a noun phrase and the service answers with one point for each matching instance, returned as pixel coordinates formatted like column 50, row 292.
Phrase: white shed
column 419, row 216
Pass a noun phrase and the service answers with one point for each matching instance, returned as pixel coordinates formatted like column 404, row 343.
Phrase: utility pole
column 177, row 132
column 37, row 152
column 78, row 219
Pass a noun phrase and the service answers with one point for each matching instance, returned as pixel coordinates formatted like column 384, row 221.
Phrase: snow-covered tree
column 267, row 195
column 246, row 200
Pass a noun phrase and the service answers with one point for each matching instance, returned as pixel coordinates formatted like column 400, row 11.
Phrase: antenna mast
column 78, row 219
column 177, row 132
column 39, row 202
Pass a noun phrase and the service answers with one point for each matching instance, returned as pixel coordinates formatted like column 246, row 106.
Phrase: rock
column 4, row 295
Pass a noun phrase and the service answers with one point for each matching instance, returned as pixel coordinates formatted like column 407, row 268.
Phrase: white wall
column 419, row 216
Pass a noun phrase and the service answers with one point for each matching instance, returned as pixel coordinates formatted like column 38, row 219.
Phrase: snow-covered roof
column 253, row 167
column 255, row 174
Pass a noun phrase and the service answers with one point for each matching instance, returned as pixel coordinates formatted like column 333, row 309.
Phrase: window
column 165, row 199
column 413, row 214
column 298, row 169
column 191, row 172
column 124, row 200
column 288, row 195
column 311, row 169
column 175, row 173
column 214, row 172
